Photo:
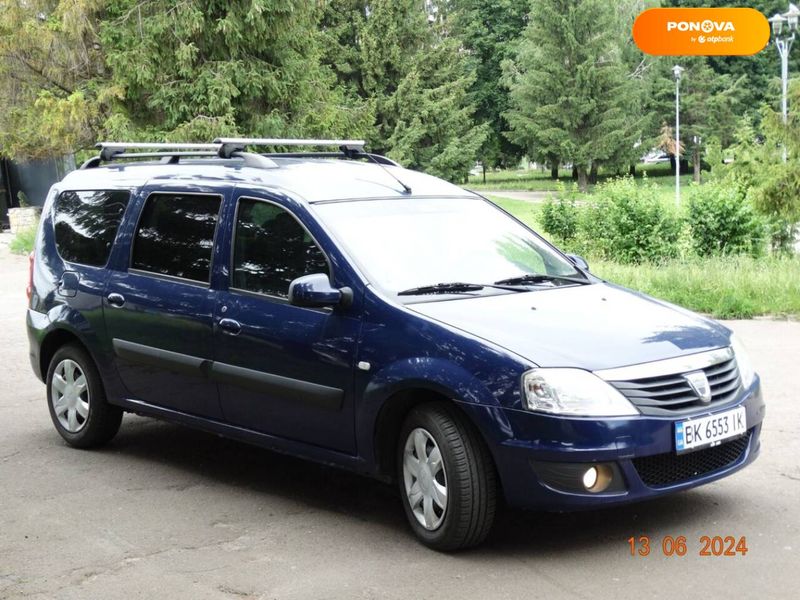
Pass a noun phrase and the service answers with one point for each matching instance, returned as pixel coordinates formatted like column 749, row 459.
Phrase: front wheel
column 447, row 478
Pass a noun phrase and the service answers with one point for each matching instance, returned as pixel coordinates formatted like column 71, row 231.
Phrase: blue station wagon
column 337, row 307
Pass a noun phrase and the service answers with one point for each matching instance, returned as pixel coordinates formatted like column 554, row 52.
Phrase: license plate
column 709, row 431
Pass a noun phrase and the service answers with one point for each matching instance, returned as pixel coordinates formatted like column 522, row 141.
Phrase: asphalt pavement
column 167, row 512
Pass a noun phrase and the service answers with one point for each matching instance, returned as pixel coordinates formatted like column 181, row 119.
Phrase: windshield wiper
column 534, row 278
column 457, row 287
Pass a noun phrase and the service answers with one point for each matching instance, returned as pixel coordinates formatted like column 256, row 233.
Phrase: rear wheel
column 447, row 478
column 77, row 400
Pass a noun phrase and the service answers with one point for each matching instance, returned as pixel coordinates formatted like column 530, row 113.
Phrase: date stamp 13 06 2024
column 716, row 545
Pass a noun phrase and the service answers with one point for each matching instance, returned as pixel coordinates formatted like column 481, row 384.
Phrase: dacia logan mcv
column 338, row 307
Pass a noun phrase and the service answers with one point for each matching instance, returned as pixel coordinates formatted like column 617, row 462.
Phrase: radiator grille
column 672, row 394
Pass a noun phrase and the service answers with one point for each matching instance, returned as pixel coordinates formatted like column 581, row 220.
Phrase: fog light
column 596, row 479
column 590, row 478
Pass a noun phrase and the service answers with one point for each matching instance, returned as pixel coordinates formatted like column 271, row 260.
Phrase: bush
column 629, row 223
column 23, row 241
column 723, row 222
column 560, row 217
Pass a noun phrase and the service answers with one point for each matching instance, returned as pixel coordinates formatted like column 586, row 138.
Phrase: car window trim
column 119, row 225
column 232, row 251
column 173, row 278
column 177, row 278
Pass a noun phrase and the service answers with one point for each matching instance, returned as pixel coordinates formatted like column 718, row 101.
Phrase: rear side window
column 86, row 224
column 176, row 235
column 272, row 249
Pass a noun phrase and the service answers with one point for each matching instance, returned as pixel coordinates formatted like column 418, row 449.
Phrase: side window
column 86, row 224
column 176, row 235
column 272, row 249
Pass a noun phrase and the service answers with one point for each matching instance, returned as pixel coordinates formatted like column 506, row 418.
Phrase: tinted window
column 272, row 249
column 86, row 224
column 176, row 235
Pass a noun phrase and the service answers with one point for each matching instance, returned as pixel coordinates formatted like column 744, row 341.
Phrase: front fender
column 438, row 375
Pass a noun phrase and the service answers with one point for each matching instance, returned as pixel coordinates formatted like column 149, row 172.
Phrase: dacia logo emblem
column 699, row 384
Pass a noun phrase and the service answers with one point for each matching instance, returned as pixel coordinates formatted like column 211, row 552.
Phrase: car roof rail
column 378, row 158
column 227, row 148
column 170, row 153
column 348, row 148
column 353, row 149
column 229, row 145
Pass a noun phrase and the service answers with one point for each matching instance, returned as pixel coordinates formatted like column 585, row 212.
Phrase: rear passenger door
column 159, row 306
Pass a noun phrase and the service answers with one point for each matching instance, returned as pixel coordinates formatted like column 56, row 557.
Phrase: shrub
column 629, row 223
column 22, row 242
column 722, row 221
column 560, row 217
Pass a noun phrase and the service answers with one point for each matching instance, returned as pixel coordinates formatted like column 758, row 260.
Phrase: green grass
column 22, row 242
column 733, row 287
column 525, row 211
column 723, row 287
column 539, row 181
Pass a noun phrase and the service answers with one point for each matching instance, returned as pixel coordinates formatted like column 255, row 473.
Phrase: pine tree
column 489, row 30
column 50, row 60
column 710, row 104
column 73, row 71
column 571, row 96
column 413, row 74
column 208, row 67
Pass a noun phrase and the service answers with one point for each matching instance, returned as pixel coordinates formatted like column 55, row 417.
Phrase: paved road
column 165, row 512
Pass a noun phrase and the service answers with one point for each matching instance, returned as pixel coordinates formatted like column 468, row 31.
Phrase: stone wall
column 23, row 218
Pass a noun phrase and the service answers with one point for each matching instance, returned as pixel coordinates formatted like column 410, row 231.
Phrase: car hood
column 592, row 327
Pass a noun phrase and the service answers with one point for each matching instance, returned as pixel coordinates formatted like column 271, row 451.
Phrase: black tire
column 471, row 480
column 103, row 420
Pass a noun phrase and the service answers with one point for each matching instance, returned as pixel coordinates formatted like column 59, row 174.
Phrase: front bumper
column 529, row 439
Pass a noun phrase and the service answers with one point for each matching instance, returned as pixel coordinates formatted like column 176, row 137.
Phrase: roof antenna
column 356, row 151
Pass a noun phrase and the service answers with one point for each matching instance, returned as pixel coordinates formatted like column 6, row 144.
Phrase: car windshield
column 407, row 244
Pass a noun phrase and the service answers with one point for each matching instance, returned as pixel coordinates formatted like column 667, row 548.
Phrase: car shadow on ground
column 205, row 458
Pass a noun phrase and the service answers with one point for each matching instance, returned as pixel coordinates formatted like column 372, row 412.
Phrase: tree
column 50, row 60
column 571, row 97
column 710, row 104
column 413, row 74
column 206, row 67
column 489, row 30
column 760, row 71
column 759, row 174
column 83, row 69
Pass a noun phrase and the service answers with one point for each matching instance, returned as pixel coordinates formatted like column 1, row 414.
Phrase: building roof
column 309, row 179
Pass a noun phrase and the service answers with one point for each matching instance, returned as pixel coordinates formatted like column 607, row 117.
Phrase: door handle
column 230, row 326
column 116, row 300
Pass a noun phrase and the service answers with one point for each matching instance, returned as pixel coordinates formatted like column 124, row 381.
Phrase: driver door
column 283, row 370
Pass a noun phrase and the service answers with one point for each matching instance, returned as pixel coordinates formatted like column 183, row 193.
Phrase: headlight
column 573, row 392
column 746, row 371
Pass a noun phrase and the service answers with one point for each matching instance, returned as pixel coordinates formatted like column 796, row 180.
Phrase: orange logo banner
column 701, row 31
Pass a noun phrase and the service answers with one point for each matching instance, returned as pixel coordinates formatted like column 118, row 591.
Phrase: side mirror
column 578, row 261
column 316, row 291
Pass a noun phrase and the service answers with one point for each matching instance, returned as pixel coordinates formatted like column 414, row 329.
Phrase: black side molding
column 163, row 359
column 286, row 388
column 318, row 396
